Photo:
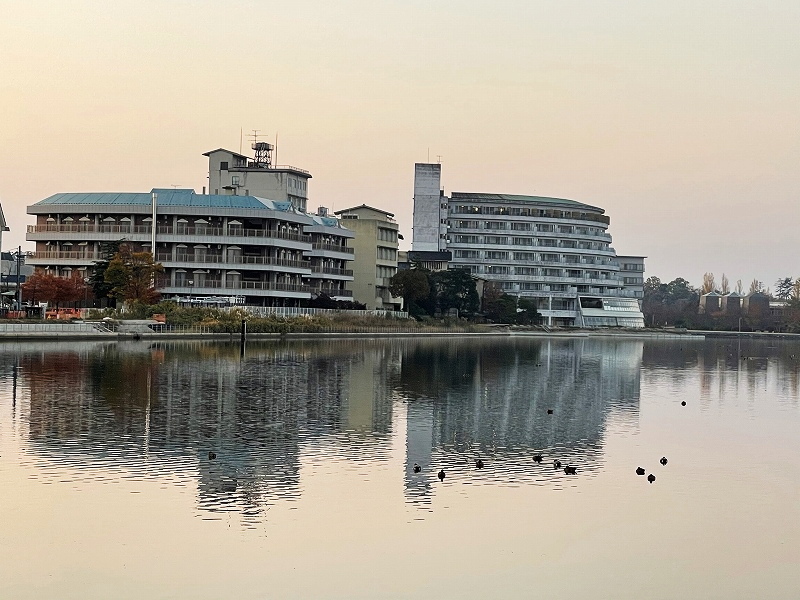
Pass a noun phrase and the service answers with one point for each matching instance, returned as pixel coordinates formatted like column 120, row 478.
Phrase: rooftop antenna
column 439, row 158
column 241, row 131
column 429, row 154
column 276, row 148
column 263, row 150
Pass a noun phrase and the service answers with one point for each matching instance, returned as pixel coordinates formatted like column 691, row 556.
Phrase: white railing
column 289, row 311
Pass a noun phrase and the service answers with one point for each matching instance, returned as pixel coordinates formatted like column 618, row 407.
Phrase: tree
column 708, row 284
column 411, row 285
column 724, row 286
column 756, row 287
column 455, row 289
column 131, row 276
column 783, row 288
column 739, row 287
column 100, row 287
column 47, row 287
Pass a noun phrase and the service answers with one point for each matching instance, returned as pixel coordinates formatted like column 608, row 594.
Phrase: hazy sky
column 681, row 119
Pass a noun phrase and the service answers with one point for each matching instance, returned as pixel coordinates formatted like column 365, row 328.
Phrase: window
column 495, row 270
column 497, row 255
column 387, row 253
column 526, row 256
column 466, row 254
column 493, row 239
column 519, row 241
column 495, row 225
column 521, row 226
column 223, row 166
column 466, row 224
column 466, row 239
column 234, row 180
column 526, row 271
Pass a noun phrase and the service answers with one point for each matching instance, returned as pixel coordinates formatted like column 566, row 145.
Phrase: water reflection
column 491, row 399
column 99, row 412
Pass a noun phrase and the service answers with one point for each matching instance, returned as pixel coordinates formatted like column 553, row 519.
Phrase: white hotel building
column 555, row 251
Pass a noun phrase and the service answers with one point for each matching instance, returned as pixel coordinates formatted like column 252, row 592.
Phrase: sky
column 680, row 119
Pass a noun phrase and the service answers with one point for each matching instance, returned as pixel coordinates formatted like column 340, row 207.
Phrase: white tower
column 428, row 229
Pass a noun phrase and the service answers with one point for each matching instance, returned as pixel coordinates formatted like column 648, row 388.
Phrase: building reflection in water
column 489, row 399
column 104, row 411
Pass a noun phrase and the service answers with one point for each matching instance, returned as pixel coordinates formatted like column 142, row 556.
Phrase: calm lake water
column 108, row 490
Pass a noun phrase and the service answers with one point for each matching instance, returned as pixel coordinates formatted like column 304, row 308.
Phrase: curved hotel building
column 555, row 251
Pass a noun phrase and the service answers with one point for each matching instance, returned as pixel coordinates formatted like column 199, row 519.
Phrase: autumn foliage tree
column 46, row 287
column 131, row 276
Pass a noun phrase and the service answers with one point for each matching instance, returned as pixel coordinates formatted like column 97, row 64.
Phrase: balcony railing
column 171, row 230
column 331, row 247
column 64, row 256
column 331, row 271
column 232, row 260
column 239, row 285
column 332, row 291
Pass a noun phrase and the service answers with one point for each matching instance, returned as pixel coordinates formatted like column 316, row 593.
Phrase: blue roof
column 166, row 197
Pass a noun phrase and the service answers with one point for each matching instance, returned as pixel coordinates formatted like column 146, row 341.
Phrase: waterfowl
column 549, row 411
column 570, row 470
column 683, row 402
column 440, row 475
column 663, row 460
column 212, row 455
column 639, row 471
column 556, row 464
column 537, row 458
column 417, row 468
column 651, row 478
column 479, row 463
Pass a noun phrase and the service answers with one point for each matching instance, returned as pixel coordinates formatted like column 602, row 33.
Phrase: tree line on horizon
column 677, row 304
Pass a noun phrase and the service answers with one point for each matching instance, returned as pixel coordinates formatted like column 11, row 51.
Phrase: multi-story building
column 375, row 263
column 631, row 270
column 261, row 252
column 552, row 250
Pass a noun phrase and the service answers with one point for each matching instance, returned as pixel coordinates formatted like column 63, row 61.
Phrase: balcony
column 169, row 230
column 329, row 291
column 331, row 271
column 332, row 248
column 232, row 260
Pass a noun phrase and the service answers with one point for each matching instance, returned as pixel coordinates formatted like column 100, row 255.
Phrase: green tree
column 97, row 280
column 783, row 288
column 411, row 285
column 455, row 289
column 131, row 276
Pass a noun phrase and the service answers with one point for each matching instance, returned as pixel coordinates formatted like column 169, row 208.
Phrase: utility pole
column 19, row 287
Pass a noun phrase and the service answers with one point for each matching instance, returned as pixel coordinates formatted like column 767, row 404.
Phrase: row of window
column 513, row 211
column 387, row 235
column 532, row 257
column 497, row 240
column 387, row 253
column 525, row 226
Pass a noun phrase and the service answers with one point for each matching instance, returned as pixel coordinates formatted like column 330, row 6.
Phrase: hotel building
column 555, row 251
column 231, row 247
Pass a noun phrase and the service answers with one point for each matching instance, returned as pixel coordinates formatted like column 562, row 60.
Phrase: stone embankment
column 135, row 330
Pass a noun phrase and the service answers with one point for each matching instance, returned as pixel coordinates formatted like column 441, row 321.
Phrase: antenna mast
column 263, row 150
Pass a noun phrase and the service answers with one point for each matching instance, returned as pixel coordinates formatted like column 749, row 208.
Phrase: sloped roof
column 166, row 197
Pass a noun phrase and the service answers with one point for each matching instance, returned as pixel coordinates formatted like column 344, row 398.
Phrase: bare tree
column 739, row 287
column 796, row 289
column 756, row 287
column 724, row 286
column 708, row 284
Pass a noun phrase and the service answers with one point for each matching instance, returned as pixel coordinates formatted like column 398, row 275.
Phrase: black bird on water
column 440, row 475
column 212, row 455
column 639, row 471
column 683, row 403
column 651, row 478
column 537, row 458
column 570, row 470
column 663, row 460
column 479, row 463
column 417, row 468
column 549, row 411
column 556, row 464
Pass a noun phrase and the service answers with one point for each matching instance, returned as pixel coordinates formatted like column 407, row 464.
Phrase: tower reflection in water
column 98, row 411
